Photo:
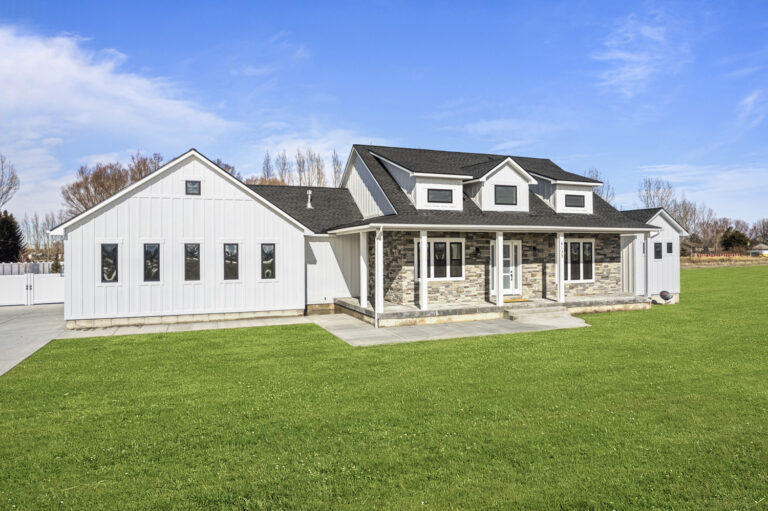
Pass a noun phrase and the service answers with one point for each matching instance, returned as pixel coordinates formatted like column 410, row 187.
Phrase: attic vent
column 309, row 199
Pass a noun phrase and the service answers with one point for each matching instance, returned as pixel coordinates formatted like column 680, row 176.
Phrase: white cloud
column 753, row 108
column 637, row 50
column 59, row 98
column 253, row 71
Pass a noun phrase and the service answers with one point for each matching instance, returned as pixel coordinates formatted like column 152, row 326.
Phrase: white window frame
column 581, row 241
column 431, row 265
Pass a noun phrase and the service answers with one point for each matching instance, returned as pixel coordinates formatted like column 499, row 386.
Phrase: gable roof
column 648, row 214
column 330, row 206
column 475, row 165
column 760, row 246
column 539, row 215
column 59, row 230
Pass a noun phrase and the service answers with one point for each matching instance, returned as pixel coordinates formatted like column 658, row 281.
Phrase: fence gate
column 31, row 289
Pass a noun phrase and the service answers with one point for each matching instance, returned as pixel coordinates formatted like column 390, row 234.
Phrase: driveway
column 24, row 330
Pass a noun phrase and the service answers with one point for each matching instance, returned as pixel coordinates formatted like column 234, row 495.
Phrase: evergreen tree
column 11, row 239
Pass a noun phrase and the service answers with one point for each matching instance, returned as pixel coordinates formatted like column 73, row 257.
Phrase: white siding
column 406, row 180
column 558, row 198
column 333, row 268
column 423, row 185
column 665, row 272
column 506, row 175
column 366, row 192
column 160, row 212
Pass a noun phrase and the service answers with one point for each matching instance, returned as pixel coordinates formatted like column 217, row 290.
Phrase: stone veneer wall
column 537, row 268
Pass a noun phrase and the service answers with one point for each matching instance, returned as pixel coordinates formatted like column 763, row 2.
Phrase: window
column 657, row 250
column 505, row 195
column 669, row 247
column 192, row 261
column 445, row 259
column 457, row 260
column 193, row 187
column 440, row 196
column 267, row 260
column 109, row 262
column 151, row 262
column 579, row 260
column 231, row 262
column 574, row 201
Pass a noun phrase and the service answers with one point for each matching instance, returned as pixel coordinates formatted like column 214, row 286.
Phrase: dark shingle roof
column 476, row 165
column 641, row 215
column 330, row 206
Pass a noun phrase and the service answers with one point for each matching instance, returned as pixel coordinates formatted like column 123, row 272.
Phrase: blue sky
column 671, row 90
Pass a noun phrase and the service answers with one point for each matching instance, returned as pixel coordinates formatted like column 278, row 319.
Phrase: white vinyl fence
column 22, row 268
column 31, row 289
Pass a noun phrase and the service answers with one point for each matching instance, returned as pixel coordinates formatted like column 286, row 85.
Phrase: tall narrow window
column 456, row 260
column 574, row 252
column 193, row 187
column 440, row 259
column 657, row 252
column 192, row 261
column 231, row 270
column 505, row 195
column 669, row 248
column 587, row 259
column 109, row 262
column 151, row 262
column 574, row 201
column 439, row 196
column 267, row 260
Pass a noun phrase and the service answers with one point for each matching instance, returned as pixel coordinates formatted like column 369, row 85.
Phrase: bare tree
column 301, row 167
column 336, row 162
column 309, row 155
column 266, row 169
column 759, row 231
column 656, row 193
column 141, row 166
column 283, row 168
column 740, row 225
column 317, row 164
column 605, row 191
column 9, row 181
column 93, row 185
column 228, row 168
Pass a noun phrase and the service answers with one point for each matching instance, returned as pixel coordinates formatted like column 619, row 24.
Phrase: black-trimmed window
column 439, row 264
column 192, row 187
column 109, row 255
column 192, row 261
column 439, row 195
column 579, row 260
column 575, row 201
column 456, row 260
column 151, row 262
column 669, row 247
column 445, row 259
column 657, row 251
column 268, row 261
column 231, row 261
column 505, row 195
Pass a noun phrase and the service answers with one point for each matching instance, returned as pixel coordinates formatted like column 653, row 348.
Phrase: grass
column 665, row 408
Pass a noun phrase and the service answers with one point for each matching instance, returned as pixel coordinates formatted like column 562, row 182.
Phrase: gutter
column 490, row 228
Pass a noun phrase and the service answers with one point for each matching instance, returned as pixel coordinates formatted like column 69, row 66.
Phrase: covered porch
column 429, row 276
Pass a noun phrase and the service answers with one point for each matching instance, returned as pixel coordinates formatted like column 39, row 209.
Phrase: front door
column 510, row 268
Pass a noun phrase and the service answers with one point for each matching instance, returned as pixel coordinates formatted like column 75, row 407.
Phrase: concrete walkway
column 24, row 330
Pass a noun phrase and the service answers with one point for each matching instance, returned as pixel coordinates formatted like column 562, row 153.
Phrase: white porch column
column 499, row 268
column 560, row 265
column 379, row 280
column 423, row 267
column 364, row 269
column 647, row 265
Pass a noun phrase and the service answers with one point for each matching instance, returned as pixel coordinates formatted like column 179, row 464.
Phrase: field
column 662, row 408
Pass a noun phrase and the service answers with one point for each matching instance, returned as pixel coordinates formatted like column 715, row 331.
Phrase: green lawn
column 662, row 408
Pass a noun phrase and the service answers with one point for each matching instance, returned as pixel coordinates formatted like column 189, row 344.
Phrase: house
column 655, row 258
column 411, row 235
column 759, row 250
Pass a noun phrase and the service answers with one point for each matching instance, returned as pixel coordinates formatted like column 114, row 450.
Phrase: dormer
column 503, row 188
column 566, row 196
column 428, row 190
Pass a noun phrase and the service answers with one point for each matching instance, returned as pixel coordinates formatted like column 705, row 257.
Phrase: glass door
column 510, row 268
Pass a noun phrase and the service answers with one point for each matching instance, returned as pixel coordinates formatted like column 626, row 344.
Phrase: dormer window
column 505, row 195
column 574, row 201
column 439, row 196
column 193, row 187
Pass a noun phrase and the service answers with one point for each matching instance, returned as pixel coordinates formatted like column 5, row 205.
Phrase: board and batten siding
column 333, row 264
column 160, row 212
column 365, row 191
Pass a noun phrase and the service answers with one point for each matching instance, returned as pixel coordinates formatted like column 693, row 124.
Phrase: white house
column 759, row 250
column 410, row 234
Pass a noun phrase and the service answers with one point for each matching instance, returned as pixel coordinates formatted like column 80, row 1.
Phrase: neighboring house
column 759, row 250
column 410, row 234
column 653, row 260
